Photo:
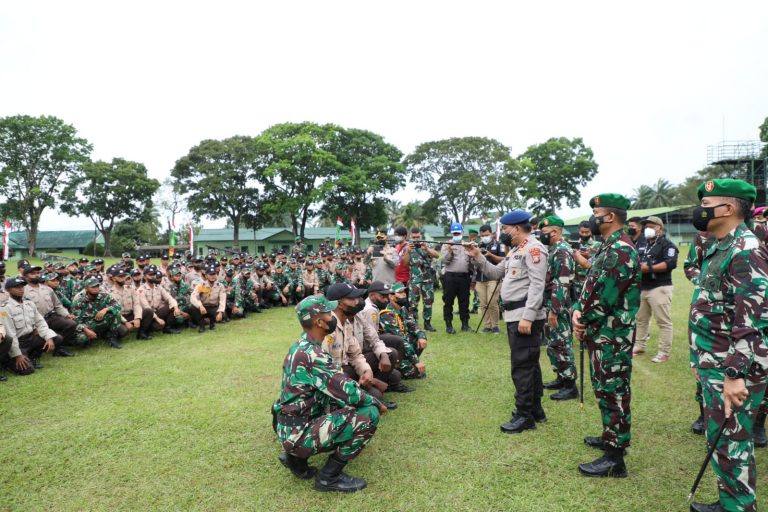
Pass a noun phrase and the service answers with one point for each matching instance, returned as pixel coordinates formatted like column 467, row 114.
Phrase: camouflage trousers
column 560, row 347
column 610, row 367
column 417, row 291
column 407, row 365
column 107, row 326
column 475, row 301
column 733, row 460
column 345, row 431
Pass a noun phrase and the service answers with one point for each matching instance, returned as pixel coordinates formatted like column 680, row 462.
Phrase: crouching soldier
column 307, row 416
column 98, row 314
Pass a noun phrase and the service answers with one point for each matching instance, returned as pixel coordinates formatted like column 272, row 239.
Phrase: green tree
column 411, row 215
column 554, row 171
column 454, row 172
column 220, row 179
column 370, row 171
column 108, row 191
column 506, row 190
column 764, row 137
column 663, row 193
column 297, row 159
column 686, row 193
column 38, row 158
column 141, row 230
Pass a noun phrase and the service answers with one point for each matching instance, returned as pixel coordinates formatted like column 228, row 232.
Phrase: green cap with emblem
column 51, row 276
column 728, row 187
column 609, row 201
column 474, row 230
column 91, row 282
column 314, row 305
column 552, row 220
column 398, row 287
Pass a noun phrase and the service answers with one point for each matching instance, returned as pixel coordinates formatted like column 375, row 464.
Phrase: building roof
column 57, row 239
column 635, row 213
column 226, row 235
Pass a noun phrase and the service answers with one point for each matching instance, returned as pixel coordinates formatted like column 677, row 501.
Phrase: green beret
column 728, row 188
column 314, row 305
column 340, row 266
column 609, row 201
column 91, row 282
column 473, row 230
column 398, row 287
column 552, row 220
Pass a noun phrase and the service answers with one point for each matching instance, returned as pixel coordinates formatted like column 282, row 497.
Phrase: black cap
column 380, row 287
column 26, row 270
column 98, row 261
column 164, row 257
column 126, row 255
column 22, row 263
column 83, row 260
column 135, row 272
column 15, row 282
column 340, row 290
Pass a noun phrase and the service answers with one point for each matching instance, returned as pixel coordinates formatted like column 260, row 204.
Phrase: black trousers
column 456, row 285
column 372, row 390
column 210, row 313
column 30, row 345
column 524, row 351
column 146, row 318
column 63, row 326
column 392, row 377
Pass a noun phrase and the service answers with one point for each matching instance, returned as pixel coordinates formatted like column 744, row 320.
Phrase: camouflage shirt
column 420, row 263
column 84, row 308
column 728, row 309
column 692, row 265
column 589, row 249
column 560, row 277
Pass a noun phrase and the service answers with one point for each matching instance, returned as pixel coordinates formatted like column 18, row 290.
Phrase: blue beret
column 515, row 217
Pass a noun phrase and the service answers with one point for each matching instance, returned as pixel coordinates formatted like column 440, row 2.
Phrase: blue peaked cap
column 456, row 227
column 515, row 217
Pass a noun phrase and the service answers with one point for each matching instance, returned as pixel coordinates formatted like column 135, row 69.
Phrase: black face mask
column 380, row 304
column 506, row 239
column 332, row 323
column 401, row 301
column 35, row 280
column 545, row 238
column 702, row 215
column 585, row 239
column 594, row 224
column 358, row 307
column 631, row 231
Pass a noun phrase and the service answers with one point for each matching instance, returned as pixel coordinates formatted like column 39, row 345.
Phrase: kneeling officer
column 320, row 409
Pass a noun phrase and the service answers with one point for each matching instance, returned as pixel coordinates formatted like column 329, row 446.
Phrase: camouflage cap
column 398, row 287
column 91, row 282
column 609, row 201
column 728, row 188
column 314, row 305
column 552, row 220
column 51, row 276
column 175, row 271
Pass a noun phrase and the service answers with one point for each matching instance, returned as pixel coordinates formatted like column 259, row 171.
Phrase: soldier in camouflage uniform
column 281, row 282
column 234, row 307
column 604, row 319
column 319, row 408
column 584, row 255
column 98, row 314
column 419, row 257
column 557, row 301
column 396, row 319
column 339, row 275
column 180, row 291
column 726, row 327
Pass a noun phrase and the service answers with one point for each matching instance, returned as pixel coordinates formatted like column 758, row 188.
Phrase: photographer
column 658, row 257
column 487, row 288
column 381, row 257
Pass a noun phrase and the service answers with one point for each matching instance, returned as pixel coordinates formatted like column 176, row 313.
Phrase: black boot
column 112, row 342
column 555, row 384
column 539, row 415
column 704, row 507
column 298, row 466
column 36, row 364
column 594, row 442
column 519, row 423
column 170, row 330
column 610, row 464
column 567, row 392
column 449, row 327
column 698, row 426
column 428, row 327
column 332, row 478
column 201, row 327
column 62, row 352
column 141, row 334
column 465, row 326
column 758, row 432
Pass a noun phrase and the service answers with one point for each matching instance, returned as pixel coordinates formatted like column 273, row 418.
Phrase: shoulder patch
column 670, row 252
column 535, row 255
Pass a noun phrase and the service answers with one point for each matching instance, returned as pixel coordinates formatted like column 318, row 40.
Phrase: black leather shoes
column 201, row 328
column 171, row 330
column 449, row 328
column 605, row 466
column 697, row 427
column 539, row 416
column 332, row 478
column 61, row 352
column 212, row 327
column 389, row 405
column 428, row 327
column 465, row 327
column 594, row 442
column 703, row 507
column 112, row 342
column 555, row 384
column 566, row 393
column 36, row 364
column 298, row 467
column 3, row 377
column 518, row 423
column 400, row 388
column 143, row 335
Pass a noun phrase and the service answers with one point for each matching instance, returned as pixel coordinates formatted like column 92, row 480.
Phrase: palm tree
column 661, row 194
column 410, row 215
column 641, row 197
column 394, row 208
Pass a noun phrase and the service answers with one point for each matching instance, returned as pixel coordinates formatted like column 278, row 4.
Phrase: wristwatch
column 734, row 373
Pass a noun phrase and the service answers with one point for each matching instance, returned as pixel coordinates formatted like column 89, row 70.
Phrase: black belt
column 293, row 421
column 457, row 273
column 515, row 304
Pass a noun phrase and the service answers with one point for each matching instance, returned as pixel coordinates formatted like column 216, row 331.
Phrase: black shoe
column 496, row 330
column 558, row 383
column 112, row 342
column 400, row 388
column 487, row 329
column 298, row 467
column 201, row 328
column 605, row 466
column 62, row 352
column 422, row 375
column 171, row 330
column 518, row 423
column 698, row 427
column 143, row 335
column 594, row 442
column 3, row 377
column 449, row 328
column 257, row 310
column 569, row 392
column 36, row 364
column 389, row 405
column 428, row 327
column 758, row 432
column 539, row 416
column 212, row 327
column 332, row 478
column 465, row 327
column 703, row 507
column 473, row 312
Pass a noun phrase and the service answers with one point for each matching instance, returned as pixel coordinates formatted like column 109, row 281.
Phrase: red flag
column 6, row 234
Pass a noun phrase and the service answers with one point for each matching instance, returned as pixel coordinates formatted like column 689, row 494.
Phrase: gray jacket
column 524, row 271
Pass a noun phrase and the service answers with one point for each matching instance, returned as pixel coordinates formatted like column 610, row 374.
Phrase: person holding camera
column 419, row 257
column 488, row 289
column 381, row 257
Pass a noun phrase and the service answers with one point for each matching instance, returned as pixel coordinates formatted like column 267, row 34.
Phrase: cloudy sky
column 647, row 86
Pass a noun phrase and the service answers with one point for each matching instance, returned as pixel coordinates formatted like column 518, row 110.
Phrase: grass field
column 182, row 423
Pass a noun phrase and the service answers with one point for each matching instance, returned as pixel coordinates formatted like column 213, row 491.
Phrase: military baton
column 581, row 374
column 488, row 303
column 707, row 459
